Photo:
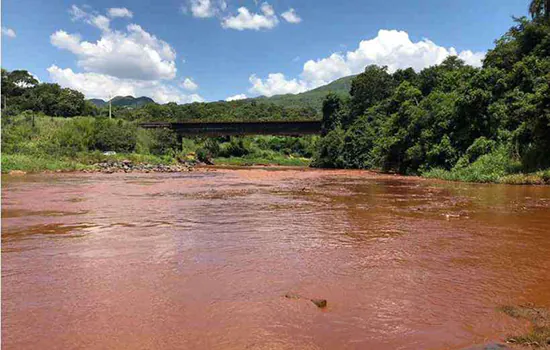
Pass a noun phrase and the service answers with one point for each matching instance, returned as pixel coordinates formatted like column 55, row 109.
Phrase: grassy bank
column 495, row 167
column 81, row 161
column 27, row 163
column 254, row 160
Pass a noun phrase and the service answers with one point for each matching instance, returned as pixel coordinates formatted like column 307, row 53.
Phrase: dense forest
column 452, row 120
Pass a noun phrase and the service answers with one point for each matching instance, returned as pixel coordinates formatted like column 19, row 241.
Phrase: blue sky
column 194, row 50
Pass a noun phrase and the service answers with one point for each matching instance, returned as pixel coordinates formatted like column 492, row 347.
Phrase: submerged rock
column 292, row 296
column 321, row 303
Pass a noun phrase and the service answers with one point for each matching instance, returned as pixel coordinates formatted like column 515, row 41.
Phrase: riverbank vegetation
column 33, row 142
column 451, row 121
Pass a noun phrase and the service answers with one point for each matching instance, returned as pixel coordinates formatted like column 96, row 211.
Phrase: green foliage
column 21, row 91
column 330, row 150
column 450, row 120
column 369, row 88
column 38, row 163
column 115, row 135
column 332, row 105
column 62, row 143
column 487, row 168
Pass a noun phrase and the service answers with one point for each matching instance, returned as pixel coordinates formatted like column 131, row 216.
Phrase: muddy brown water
column 202, row 260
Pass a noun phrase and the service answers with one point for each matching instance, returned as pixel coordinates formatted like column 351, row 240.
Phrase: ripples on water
column 202, row 260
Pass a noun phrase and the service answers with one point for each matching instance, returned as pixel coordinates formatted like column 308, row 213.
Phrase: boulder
column 321, row 303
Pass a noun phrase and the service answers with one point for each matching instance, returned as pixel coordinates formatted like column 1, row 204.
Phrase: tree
column 331, row 118
column 370, row 87
column 540, row 9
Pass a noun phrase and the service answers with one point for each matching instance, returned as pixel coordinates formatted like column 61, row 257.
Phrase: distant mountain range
column 312, row 98
column 123, row 101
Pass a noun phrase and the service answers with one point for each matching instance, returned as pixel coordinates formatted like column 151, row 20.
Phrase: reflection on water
column 203, row 260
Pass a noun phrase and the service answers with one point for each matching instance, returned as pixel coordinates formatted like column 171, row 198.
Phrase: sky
column 207, row 50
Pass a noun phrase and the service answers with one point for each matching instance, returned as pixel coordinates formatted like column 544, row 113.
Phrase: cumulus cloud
column 133, row 54
column 119, row 12
column 95, row 85
column 276, row 84
column 205, row 8
column 189, row 85
column 127, row 62
column 254, row 21
column 390, row 48
column 10, row 33
column 291, row 16
column 236, row 97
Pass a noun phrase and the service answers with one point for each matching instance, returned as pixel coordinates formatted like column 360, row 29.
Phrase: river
column 203, row 260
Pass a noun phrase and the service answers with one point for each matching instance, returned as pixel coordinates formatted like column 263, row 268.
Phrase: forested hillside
column 313, row 98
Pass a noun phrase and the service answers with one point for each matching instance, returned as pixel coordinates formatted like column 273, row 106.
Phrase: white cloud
column 10, row 33
column 205, row 8
column 189, row 85
column 255, row 21
column 236, row 97
column 101, row 22
column 134, row 54
column 95, row 85
column 390, row 48
column 276, row 84
column 98, row 21
column 128, row 62
column 119, row 12
column 77, row 13
column 291, row 16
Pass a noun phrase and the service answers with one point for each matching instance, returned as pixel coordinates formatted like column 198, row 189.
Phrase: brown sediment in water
column 202, row 259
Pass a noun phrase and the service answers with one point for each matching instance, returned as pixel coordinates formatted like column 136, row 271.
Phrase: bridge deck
column 289, row 128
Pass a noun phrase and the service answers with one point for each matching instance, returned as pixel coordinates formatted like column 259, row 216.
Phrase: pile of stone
column 127, row 166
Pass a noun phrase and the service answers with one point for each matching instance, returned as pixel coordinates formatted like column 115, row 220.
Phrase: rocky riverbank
column 127, row 166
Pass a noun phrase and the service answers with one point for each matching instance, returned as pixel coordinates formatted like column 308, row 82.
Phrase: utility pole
column 110, row 98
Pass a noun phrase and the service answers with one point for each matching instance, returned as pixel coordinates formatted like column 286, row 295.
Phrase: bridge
column 287, row 128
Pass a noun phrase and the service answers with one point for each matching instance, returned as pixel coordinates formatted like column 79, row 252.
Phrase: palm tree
column 540, row 8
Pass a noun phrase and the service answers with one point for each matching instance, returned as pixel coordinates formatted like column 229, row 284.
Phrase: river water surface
column 202, row 260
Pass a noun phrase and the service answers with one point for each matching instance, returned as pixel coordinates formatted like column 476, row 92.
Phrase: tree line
column 452, row 116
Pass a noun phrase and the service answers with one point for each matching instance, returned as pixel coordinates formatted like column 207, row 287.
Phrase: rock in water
column 321, row 303
column 292, row 296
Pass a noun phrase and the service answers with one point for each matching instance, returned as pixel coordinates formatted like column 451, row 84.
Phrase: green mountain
column 123, row 101
column 312, row 98
column 98, row 102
